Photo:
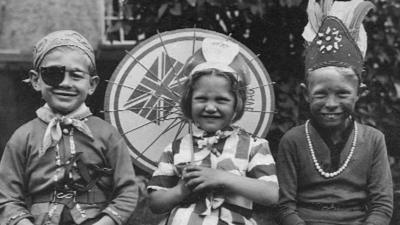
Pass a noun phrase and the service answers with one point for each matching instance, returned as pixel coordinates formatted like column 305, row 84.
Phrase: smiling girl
column 226, row 169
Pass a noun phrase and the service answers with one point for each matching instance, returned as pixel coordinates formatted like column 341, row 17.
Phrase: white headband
column 218, row 54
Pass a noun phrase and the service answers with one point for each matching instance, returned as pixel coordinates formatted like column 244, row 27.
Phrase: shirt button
column 65, row 131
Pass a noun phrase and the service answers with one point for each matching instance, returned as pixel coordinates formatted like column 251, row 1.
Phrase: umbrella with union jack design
column 142, row 97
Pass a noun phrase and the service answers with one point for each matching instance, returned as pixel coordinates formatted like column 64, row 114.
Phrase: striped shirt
column 233, row 151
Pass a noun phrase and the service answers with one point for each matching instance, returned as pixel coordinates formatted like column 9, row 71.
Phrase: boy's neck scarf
column 53, row 132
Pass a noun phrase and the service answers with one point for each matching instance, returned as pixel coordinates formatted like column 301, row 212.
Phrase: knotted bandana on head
column 335, row 34
column 220, row 54
column 59, row 39
column 53, row 133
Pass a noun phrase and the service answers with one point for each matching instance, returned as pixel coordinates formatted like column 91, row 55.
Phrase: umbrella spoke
column 170, row 126
column 194, row 40
column 259, row 111
column 181, row 126
column 164, row 118
column 152, row 74
column 159, row 108
column 166, row 52
column 254, row 57
column 166, row 100
column 253, row 88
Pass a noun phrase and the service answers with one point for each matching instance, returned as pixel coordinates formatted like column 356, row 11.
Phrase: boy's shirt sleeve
column 261, row 163
column 165, row 176
column 380, row 186
column 287, row 176
column 125, row 190
column 12, row 196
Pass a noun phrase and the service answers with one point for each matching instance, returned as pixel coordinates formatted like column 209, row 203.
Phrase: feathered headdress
column 335, row 34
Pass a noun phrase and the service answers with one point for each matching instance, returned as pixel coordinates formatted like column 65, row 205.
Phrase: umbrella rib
column 183, row 123
column 194, row 40
column 260, row 111
column 145, row 92
column 152, row 121
column 168, row 57
column 151, row 73
column 159, row 108
column 193, row 46
column 254, row 57
column 253, row 88
column 136, row 128
column 170, row 126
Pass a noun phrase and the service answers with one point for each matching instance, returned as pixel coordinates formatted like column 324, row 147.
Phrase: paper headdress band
column 335, row 34
column 219, row 54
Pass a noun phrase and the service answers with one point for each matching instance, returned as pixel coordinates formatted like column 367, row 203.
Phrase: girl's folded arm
column 164, row 200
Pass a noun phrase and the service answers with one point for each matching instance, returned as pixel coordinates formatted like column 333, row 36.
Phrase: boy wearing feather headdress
column 333, row 170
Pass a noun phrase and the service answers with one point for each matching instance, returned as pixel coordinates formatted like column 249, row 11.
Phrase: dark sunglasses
column 54, row 75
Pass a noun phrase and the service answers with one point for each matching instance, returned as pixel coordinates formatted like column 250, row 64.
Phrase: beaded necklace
column 314, row 158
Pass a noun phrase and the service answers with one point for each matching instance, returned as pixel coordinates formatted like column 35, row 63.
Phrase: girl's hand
column 162, row 201
column 199, row 178
column 105, row 220
column 183, row 189
column 24, row 222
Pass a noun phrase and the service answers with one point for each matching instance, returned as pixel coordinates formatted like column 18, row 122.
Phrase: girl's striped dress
column 234, row 151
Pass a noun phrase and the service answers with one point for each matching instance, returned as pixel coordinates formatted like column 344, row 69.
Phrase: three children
column 333, row 170
column 214, row 174
column 66, row 166
column 69, row 167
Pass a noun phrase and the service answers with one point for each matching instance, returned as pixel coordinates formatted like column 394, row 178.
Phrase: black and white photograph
column 200, row 112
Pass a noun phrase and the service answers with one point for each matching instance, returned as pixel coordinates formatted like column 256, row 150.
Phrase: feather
column 326, row 6
column 358, row 16
column 314, row 13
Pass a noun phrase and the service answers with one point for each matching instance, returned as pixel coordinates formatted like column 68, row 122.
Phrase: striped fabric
column 234, row 151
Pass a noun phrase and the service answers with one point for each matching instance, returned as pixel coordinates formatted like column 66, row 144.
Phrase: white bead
column 315, row 161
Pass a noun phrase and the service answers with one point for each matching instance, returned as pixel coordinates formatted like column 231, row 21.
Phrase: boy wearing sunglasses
column 66, row 166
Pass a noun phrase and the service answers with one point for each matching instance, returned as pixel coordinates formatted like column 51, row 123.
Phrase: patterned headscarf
column 58, row 39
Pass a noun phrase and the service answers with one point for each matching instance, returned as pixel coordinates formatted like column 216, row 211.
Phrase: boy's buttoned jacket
column 27, row 179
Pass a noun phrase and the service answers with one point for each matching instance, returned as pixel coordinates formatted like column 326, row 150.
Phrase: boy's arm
column 125, row 189
column 12, row 197
column 380, row 187
column 287, row 176
column 24, row 222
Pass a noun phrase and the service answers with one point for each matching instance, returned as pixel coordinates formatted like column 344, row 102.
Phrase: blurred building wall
column 24, row 22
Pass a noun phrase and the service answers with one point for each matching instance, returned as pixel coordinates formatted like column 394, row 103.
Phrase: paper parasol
column 143, row 94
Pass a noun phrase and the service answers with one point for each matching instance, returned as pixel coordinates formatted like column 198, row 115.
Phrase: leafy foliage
column 273, row 30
